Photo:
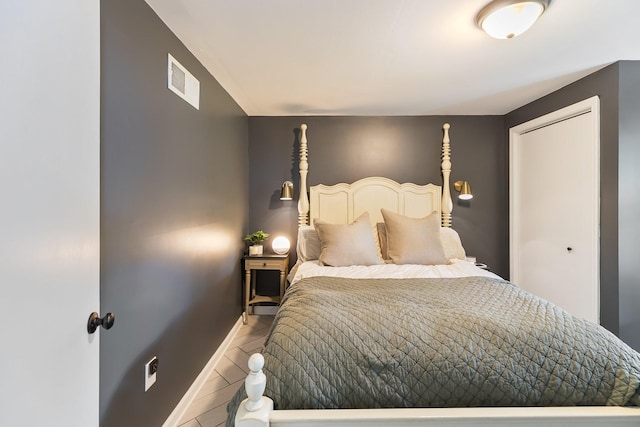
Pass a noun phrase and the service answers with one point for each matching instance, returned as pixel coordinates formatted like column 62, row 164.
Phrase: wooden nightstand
column 263, row 262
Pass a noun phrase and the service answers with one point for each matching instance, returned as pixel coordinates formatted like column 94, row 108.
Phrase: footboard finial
column 255, row 383
column 254, row 411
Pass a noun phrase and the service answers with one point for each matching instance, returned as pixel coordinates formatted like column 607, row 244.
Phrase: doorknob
column 95, row 320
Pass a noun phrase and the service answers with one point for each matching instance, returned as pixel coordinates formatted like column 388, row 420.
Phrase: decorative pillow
column 414, row 240
column 449, row 238
column 347, row 244
column 308, row 245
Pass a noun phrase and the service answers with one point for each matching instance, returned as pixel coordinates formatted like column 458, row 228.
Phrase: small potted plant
column 255, row 241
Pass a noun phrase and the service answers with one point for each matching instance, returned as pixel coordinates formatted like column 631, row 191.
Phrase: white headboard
column 342, row 203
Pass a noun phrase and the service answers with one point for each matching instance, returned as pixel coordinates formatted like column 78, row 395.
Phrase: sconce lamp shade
column 280, row 245
column 464, row 189
column 506, row 19
column 286, row 193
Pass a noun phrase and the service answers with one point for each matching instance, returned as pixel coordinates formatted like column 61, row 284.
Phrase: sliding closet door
column 554, row 182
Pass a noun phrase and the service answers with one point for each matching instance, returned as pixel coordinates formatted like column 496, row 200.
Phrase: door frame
column 515, row 133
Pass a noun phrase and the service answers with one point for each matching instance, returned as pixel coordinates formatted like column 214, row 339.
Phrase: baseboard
column 176, row 416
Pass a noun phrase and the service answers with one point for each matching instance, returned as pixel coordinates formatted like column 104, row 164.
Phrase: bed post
column 447, row 204
column 303, row 201
column 254, row 411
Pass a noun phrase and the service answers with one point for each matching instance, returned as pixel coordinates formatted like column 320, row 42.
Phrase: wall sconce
column 286, row 193
column 464, row 189
column 506, row 19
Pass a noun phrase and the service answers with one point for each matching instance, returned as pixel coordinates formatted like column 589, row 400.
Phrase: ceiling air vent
column 182, row 83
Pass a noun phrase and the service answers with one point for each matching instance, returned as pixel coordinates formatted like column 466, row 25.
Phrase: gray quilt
column 387, row 343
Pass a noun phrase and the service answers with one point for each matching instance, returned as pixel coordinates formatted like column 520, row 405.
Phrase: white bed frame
column 342, row 203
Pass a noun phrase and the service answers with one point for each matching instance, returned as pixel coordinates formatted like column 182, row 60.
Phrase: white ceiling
column 395, row 57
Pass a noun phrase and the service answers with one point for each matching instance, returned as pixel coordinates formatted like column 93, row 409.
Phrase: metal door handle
column 95, row 320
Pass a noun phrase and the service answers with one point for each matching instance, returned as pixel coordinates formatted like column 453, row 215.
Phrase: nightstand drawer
column 263, row 264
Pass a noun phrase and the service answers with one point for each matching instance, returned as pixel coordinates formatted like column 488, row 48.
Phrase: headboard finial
column 303, row 201
column 447, row 204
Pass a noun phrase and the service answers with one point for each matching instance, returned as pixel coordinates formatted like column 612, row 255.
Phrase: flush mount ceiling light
column 506, row 19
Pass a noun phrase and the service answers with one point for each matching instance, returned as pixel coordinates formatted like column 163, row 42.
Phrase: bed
column 386, row 323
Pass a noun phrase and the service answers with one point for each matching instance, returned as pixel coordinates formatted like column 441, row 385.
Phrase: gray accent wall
column 629, row 202
column 406, row 149
column 174, row 208
column 618, row 87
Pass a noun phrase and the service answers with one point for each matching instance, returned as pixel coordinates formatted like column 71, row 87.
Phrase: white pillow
column 347, row 244
column 451, row 243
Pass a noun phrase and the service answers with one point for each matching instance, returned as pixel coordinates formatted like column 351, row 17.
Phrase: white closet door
column 555, row 208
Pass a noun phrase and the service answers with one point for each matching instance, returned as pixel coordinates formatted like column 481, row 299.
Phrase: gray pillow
column 347, row 244
column 308, row 245
column 414, row 240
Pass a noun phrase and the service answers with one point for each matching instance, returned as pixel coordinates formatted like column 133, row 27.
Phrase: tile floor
column 209, row 409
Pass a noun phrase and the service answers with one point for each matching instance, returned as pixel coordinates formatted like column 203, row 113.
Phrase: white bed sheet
column 458, row 268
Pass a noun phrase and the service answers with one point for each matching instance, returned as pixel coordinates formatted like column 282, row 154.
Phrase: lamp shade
column 280, row 245
column 286, row 192
column 505, row 19
column 464, row 189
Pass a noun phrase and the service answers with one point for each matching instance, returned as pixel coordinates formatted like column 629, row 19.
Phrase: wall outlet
column 150, row 372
